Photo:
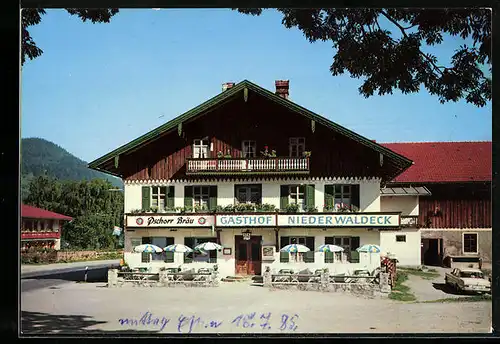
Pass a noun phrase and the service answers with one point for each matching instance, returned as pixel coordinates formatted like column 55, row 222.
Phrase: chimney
column 282, row 87
column 227, row 86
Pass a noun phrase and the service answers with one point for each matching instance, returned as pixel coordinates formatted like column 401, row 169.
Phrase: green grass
column 474, row 298
column 401, row 292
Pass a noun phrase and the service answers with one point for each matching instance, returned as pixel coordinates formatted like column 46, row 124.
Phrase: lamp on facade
column 247, row 234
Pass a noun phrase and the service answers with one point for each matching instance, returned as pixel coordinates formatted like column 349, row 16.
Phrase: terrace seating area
column 166, row 277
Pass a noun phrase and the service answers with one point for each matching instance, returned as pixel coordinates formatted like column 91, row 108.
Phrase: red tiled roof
column 37, row 213
column 444, row 162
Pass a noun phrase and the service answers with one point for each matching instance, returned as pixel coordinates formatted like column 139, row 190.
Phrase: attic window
column 200, row 149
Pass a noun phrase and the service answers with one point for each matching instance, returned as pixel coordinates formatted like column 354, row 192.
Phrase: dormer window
column 297, row 146
column 248, row 149
column 200, row 149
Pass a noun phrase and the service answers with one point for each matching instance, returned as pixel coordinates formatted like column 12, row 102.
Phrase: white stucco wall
column 369, row 192
column 132, row 197
column 408, row 253
column 407, row 205
column 226, row 263
column 369, row 197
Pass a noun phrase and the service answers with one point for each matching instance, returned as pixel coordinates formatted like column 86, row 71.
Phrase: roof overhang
column 109, row 163
column 405, row 191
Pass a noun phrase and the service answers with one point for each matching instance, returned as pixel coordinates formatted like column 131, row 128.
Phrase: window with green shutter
column 329, row 192
column 328, row 257
column 284, row 257
column 212, row 201
column 284, row 193
column 188, row 197
column 309, row 257
column 146, row 197
column 170, row 203
column 309, row 197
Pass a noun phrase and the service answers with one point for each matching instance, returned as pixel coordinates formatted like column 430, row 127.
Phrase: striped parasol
column 148, row 248
column 178, row 248
column 369, row 248
column 330, row 248
column 295, row 248
column 208, row 246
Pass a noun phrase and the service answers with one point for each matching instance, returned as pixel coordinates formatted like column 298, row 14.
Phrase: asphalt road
column 47, row 279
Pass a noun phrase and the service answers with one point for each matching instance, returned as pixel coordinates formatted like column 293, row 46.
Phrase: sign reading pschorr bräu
column 263, row 220
column 169, row 221
column 340, row 220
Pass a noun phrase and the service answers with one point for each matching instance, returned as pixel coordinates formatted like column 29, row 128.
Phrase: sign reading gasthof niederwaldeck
column 169, row 221
column 339, row 220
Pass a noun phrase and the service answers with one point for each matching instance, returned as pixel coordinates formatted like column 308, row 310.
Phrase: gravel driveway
column 77, row 308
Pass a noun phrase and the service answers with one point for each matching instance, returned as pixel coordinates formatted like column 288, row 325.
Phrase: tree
column 396, row 59
column 32, row 16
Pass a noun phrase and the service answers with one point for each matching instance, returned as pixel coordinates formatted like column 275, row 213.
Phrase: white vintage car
column 470, row 280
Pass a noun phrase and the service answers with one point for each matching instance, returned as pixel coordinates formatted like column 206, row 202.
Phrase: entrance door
column 248, row 255
column 432, row 251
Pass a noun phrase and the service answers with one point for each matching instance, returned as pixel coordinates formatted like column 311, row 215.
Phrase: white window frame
column 297, row 193
column 297, row 256
column 477, row 242
column 200, row 148
column 299, row 143
column 157, row 195
column 249, row 194
column 249, row 148
column 344, row 196
column 201, row 196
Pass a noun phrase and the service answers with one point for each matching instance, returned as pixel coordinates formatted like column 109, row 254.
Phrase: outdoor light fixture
column 247, row 234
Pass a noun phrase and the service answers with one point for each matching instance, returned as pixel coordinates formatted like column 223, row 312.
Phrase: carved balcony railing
column 409, row 221
column 279, row 165
column 40, row 235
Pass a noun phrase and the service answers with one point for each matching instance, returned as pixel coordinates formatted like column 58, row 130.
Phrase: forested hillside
column 42, row 157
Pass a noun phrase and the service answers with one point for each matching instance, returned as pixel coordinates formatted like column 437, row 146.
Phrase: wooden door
column 248, row 255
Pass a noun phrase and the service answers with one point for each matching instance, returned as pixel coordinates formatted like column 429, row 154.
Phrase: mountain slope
column 39, row 156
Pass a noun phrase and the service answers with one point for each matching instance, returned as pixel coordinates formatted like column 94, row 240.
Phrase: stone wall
column 452, row 242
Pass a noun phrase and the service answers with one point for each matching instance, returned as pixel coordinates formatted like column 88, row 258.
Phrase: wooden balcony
column 279, row 165
column 40, row 235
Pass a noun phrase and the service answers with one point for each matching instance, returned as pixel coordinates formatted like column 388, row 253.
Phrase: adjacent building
column 253, row 171
column 455, row 220
column 41, row 228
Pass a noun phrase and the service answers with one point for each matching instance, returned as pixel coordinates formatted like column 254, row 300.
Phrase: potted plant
column 306, row 154
column 228, row 154
column 220, row 155
column 292, row 208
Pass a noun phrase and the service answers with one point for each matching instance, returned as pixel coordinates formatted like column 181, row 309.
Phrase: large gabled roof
column 245, row 86
column 445, row 162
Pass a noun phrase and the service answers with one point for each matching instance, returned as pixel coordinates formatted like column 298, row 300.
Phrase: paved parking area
column 234, row 308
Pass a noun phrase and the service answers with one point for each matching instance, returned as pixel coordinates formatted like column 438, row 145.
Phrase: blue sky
column 98, row 86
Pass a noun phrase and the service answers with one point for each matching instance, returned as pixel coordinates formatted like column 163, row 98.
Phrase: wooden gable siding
column 262, row 121
column 459, row 205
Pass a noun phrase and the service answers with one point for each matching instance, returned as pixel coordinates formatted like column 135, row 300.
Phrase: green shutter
column 212, row 200
column 284, row 257
column 189, row 242
column 188, row 197
column 329, row 196
column 169, row 257
column 170, row 202
column 309, row 257
column 354, row 243
column 146, row 197
column 310, row 243
column 328, row 257
column 284, row 240
column 309, row 196
column 355, row 195
column 284, row 196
